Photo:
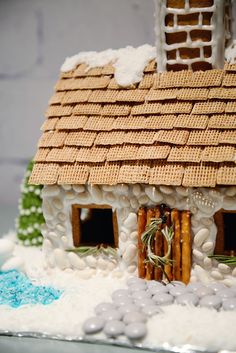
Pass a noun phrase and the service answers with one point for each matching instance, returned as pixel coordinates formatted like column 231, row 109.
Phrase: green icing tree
column 30, row 220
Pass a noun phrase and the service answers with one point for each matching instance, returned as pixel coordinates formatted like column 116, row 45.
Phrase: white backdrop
column 35, row 38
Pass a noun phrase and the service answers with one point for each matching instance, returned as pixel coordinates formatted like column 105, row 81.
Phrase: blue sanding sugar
column 16, row 290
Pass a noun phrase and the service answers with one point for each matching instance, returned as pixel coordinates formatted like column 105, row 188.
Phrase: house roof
column 172, row 128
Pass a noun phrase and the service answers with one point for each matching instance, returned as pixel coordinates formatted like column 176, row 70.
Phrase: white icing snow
column 128, row 62
column 230, row 53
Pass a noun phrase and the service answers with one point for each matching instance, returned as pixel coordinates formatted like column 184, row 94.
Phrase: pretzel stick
column 176, row 247
column 142, row 220
column 186, row 246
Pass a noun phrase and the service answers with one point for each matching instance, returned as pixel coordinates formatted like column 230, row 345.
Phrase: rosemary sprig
column 95, row 250
column 224, row 259
column 148, row 239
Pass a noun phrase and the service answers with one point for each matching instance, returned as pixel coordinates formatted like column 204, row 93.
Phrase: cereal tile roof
column 172, row 128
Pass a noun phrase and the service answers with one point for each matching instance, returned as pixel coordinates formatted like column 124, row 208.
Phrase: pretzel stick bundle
column 142, row 220
column 186, row 246
column 176, row 245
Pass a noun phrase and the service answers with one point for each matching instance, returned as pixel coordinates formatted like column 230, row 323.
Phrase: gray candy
column 151, row 310
column 187, row 298
column 229, row 304
column 203, row 291
column 211, row 301
column 158, row 289
column 93, row 325
column 102, row 307
column 174, row 284
column 141, row 295
column 136, row 330
column 132, row 317
column 163, row 298
column 193, row 287
column 138, row 286
column 144, row 302
column 216, row 286
column 121, row 301
column 177, row 290
column 120, row 293
column 226, row 293
column 128, row 308
column 112, row 315
column 154, row 284
column 114, row 328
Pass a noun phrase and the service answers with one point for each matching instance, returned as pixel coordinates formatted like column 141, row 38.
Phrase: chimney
column 191, row 34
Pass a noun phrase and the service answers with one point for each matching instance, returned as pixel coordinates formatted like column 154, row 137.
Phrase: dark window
column 93, row 225
column 226, row 232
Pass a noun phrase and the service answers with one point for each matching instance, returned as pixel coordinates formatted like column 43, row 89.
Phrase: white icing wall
column 202, row 203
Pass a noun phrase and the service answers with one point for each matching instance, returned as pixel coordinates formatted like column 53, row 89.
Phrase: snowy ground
column 177, row 325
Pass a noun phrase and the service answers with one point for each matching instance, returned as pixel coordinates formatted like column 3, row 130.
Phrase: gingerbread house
column 113, row 158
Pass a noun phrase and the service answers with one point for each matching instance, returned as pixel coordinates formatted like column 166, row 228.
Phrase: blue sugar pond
column 17, row 290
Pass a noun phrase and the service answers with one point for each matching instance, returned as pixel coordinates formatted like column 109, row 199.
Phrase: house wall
column 202, row 203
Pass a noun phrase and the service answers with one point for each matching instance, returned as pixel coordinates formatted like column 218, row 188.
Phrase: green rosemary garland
column 95, row 250
column 224, row 259
column 148, row 239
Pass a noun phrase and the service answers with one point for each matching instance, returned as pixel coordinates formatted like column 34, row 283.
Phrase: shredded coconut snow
column 128, row 62
column 176, row 326
column 230, row 53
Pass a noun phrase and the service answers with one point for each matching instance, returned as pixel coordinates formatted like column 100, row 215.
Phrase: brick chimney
column 191, row 34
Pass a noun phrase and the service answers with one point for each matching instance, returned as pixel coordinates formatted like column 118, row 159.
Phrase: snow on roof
column 128, row 62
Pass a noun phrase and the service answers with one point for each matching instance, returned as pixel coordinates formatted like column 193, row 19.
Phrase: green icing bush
column 30, row 220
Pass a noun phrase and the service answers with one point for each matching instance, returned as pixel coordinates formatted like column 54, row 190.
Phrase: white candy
column 57, row 203
column 130, row 253
column 131, row 221
column 124, row 201
column 131, row 268
column 102, row 264
column 166, row 189
column 96, row 193
column 70, row 195
column 207, row 263
column 47, row 211
column 224, row 268
column 50, row 190
column 61, row 216
column 134, row 203
column 137, row 190
column 229, row 203
column 122, row 189
column 153, row 194
column 61, row 259
column 208, row 246
column 217, row 275
column 78, row 188
column 60, row 228
column 76, row 261
column 134, row 235
column 110, row 197
column 91, row 261
column 182, row 190
column 201, row 236
column 230, row 191
column 47, row 245
column 198, row 255
column 143, row 200
column 234, row 272
column 14, row 263
column 123, row 236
